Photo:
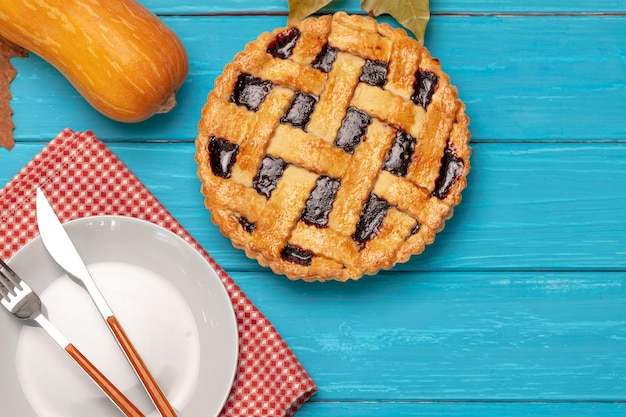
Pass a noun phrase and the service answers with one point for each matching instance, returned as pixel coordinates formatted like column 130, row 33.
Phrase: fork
column 25, row 304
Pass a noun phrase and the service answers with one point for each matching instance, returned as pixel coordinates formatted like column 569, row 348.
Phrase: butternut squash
column 119, row 56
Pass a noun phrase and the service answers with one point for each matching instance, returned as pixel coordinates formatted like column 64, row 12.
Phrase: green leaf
column 412, row 14
column 299, row 9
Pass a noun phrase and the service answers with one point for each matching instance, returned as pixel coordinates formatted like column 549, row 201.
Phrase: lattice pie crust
column 332, row 148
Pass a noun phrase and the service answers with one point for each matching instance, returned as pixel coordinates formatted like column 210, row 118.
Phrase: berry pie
column 332, row 148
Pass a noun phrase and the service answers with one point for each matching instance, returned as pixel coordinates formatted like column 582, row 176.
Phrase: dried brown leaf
column 8, row 50
column 412, row 14
column 299, row 9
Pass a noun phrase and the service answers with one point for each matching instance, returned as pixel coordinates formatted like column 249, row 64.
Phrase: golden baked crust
column 332, row 148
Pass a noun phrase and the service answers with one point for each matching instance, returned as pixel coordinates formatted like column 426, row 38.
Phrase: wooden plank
column 527, row 207
column 353, row 6
column 520, row 80
column 455, row 409
column 437, row 336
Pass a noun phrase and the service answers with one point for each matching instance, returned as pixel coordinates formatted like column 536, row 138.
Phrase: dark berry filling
column 324, row 60
column 250, row 91
column 320, row 202
column 374, row 73
column 451, row 168
column 299, row 112
column 416, row 228
column 282, row 45
column 296, row 255
column 222, row 155
column 267, row 178
column 425, row 86
column 372, row 216
column 247, row 225
column 352, row 129
column 400, row 154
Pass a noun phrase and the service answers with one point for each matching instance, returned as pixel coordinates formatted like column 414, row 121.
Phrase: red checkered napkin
column 82, row 177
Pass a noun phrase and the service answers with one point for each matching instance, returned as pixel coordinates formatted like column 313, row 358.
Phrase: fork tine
column 12, row 280
column 6, row 284
column 4, row 293
column 12, row 277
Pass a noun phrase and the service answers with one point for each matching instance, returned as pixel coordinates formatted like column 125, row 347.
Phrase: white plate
column 169, row 300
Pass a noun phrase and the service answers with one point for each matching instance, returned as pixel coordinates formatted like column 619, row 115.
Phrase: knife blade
column 59, row 245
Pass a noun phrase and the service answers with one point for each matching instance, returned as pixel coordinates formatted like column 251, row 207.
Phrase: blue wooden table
column 519, row 307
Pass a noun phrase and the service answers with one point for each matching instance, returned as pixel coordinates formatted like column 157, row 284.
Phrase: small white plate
column 167, row 297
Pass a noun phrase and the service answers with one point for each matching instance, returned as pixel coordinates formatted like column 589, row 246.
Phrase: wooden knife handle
column 153, row 389
column 123, row 403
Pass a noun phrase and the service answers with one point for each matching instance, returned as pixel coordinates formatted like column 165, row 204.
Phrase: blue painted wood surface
column 519, row 307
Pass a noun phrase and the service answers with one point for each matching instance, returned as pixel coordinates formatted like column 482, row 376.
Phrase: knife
column 60, row 246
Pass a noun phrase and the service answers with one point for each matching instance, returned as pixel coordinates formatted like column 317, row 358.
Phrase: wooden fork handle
column 123, row 403
column 150, row 384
